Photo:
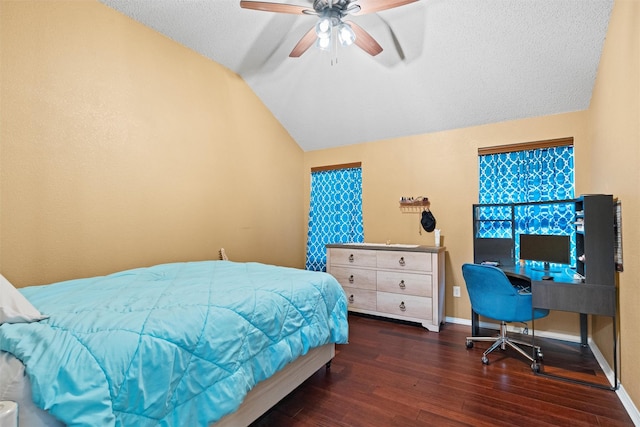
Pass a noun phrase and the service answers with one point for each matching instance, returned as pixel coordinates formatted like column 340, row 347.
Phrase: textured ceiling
column 446, row 64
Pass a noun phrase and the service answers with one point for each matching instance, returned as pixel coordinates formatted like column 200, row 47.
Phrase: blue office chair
column 492, row 295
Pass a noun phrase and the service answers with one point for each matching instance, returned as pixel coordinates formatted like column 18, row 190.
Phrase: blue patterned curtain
column 539, row 175
column 527, row 176
column 335, row 214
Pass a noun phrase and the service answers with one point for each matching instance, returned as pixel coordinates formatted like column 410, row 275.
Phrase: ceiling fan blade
column 305, row 43
column 364, row 40
column 371, row 6
column 274, row 7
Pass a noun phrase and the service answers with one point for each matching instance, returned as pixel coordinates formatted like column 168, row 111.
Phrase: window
column 335, row 212
column 522, row 173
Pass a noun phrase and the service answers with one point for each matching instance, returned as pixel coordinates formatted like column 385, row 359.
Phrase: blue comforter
column 175, row 344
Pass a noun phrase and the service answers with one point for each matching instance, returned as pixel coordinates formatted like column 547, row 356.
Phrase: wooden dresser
column 403, row 282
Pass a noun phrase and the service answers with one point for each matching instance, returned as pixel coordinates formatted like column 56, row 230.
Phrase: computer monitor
column 498, row 250
column 546, row 248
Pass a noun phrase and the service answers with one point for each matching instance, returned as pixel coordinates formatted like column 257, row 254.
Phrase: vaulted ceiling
column 446, row 64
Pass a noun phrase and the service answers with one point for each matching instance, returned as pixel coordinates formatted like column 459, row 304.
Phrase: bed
column 195, row 343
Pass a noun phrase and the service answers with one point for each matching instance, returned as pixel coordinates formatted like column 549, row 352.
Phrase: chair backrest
column 492, row 294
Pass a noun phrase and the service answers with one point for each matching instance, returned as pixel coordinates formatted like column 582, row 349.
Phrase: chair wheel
column 469, row 344
column 485, row 360
column 535, row 367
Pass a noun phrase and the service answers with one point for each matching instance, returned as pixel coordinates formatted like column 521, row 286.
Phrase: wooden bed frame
column 269, row 392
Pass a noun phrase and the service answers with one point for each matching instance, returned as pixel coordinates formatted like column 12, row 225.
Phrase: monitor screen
column 545, row 248
column 494, row 250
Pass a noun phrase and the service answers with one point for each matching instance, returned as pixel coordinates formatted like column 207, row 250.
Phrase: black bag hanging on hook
column 428, row 221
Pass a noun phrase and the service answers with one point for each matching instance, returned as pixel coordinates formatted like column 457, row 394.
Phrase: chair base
column 503, row 341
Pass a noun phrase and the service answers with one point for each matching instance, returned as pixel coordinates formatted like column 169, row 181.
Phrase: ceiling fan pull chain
column 335, row 45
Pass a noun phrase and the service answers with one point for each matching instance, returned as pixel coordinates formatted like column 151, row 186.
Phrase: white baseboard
column 517, row 329
column 628, row 404
column 626, row 401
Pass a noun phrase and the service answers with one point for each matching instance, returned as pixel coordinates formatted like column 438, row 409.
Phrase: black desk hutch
column 592, row 291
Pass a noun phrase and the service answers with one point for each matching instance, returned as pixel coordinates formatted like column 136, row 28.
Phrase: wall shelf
column 414, row 205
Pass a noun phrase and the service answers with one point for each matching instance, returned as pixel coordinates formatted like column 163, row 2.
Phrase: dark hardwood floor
column 395, row 374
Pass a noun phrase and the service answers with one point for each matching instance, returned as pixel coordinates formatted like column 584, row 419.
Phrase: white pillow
column 14, row 307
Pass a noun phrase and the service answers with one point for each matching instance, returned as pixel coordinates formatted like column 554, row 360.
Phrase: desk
column 544, row 289
column 567, row 294
column 563, row 293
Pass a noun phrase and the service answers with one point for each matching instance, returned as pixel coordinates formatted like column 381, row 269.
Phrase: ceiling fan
column 331, row 26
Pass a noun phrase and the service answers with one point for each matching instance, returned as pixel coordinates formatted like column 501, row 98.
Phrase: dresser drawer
column 355, row 257
column 355, row 277
column 398, row 260
column 361, row 298
column 404, row 305
column 404, row 283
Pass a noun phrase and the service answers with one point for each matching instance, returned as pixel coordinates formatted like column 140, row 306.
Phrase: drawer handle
column 351, row 279
column 402, row 306
column 401, row 262
column 402, row 285
column 351, row 298
column 351, row 259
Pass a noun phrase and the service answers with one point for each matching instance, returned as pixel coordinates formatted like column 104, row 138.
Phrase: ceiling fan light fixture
column 346, row 36
column 324, row 28
column 331, row 14
column 323, row 43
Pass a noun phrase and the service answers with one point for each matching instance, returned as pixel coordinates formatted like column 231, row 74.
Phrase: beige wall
column 614, row 136
column 443, row 166
column 120, row 148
